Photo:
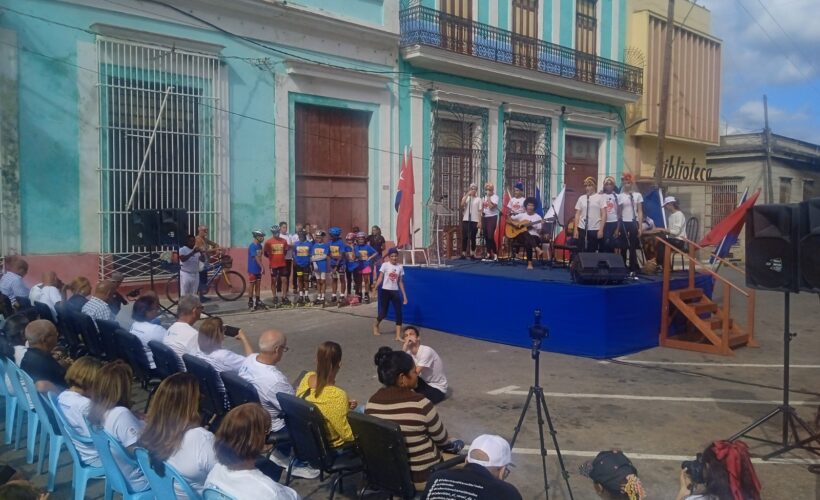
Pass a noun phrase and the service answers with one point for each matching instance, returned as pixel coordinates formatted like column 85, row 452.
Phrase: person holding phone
column 212, row 333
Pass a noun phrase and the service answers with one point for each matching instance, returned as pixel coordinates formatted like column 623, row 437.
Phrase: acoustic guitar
column 514, row 228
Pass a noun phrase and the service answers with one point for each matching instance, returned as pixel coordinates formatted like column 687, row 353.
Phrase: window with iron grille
column 522, row 163
column 721, row 199
column 808, row 189
column 456, row 163
column 785, row 190
column 181, row 166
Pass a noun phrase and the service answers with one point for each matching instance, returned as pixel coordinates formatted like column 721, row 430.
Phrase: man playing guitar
column 525, row 228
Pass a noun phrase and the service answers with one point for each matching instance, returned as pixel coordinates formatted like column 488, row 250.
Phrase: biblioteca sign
column 679, row 170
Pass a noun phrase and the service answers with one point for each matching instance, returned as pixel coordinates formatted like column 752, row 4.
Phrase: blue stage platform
column 495, row 302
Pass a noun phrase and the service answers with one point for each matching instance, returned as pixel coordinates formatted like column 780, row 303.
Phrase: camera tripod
column 537, row 334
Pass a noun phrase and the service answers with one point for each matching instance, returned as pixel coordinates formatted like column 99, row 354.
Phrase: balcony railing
column 425, row 26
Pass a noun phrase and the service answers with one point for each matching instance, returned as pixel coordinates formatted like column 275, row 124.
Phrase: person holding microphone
column 472, row 208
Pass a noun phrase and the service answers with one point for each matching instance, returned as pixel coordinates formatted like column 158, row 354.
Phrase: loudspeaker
column 173, row 226
column 771, row 247
column 591, row 268
column 143, row 228
column 809, row 246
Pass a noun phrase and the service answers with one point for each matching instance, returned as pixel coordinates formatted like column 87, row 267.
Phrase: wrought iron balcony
column 432, row 28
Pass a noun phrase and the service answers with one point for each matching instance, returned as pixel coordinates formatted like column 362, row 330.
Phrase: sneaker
column 260, row 305
column 333, row 299
column 305, row 472
column 300, row 302
column 286, row 301
column 276, row 302
column 280, row 459
column 250, row 304
column 367, row 299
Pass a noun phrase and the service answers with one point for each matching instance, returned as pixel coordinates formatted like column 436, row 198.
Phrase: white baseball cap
column 669, row 199
column 495, row 447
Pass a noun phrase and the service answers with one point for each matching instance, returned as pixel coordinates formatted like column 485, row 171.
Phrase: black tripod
column 537, row 334
column 791, row 422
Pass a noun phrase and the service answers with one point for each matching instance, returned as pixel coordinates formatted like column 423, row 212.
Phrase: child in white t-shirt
column 391, row 279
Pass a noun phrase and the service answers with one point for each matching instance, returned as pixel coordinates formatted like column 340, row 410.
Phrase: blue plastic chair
column 215, row 494
column 11, row 399
column 82, row 472
column 32, row 418
column 163, row 486
column 47, row 430
column 115, row 479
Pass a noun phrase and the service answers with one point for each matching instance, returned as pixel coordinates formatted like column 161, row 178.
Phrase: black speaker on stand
column 809, row 246
column 774, row 252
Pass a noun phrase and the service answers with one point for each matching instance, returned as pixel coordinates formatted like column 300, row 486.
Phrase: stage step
column 689, row 293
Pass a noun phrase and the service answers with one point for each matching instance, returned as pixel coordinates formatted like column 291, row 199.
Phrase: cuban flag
column 404, row 199
column 653, row 207
column 726, row 232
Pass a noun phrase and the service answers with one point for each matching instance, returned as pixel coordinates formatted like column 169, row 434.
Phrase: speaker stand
column 151, row 254
column 791, row 423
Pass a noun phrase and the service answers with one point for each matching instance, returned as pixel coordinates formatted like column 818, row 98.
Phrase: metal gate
column 186, row 165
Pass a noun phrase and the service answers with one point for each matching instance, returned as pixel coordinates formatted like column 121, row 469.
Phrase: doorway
column 581, row 161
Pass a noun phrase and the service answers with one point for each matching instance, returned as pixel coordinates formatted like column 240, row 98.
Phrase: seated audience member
column 174, row 434
column 482, row 478
column 97, row 305
column 261, row 371
column 20, row 489
column 75, row 403
column 423, row 430
column 80, row 289
column 116, row 300
column 11, row 284
column 182, row 336
column 728, row 474
column 146, row 309
column 432, row 381
column 211, row 336
column 48, row 375
column 319, row 388
column 47, row 292
column 110, row 402
column 240, row 440
column 13, row 342
column 614, row 477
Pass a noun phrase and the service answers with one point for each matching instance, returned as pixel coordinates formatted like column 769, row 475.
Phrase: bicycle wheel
column 230, row 285
column 172, row 289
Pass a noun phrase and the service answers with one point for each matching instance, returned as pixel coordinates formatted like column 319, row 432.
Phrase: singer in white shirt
column 471, row 210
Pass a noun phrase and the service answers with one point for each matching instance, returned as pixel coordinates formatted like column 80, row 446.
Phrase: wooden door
column 581, row 162
column 331, row 166
column 586, row 38
column 456, row 25
column 525, row 33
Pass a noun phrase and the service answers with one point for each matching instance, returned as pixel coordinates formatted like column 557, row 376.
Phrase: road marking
column 669, row 458
column 513, row 390
column 715, row 365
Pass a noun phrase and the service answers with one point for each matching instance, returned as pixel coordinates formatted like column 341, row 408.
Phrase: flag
column 556, row 209
column 502, row 220
column 726, row 232
column 539, row 207
column 404, row 199
column 652, row 207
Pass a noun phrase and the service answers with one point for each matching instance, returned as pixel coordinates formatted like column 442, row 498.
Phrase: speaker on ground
column 592, row 268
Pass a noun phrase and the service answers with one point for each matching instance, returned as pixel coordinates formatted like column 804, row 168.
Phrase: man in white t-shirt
column 516, row 204
column 182, row 336
column 589, row 212
column 261, row 371
column 531, row 221
column 609, row 199
column 489, row 220
column 190, row 256
column 631, row 204
column 432, row 381
column 47, row 292
column 470, row 217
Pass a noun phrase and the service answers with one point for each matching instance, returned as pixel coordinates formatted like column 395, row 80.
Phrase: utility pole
column 666, row 76
column 767, row 137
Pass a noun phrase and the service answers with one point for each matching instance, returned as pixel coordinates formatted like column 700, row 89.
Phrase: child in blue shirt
column 255, row 268
column 320, row 257
column 364, row 255
column 301, row 259
column 350, row 266
column 337, row 264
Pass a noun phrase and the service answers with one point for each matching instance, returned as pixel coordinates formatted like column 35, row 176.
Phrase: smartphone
column 231, row 331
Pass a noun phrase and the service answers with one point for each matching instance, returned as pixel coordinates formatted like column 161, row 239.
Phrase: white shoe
column 305, row 472
column 280, row 459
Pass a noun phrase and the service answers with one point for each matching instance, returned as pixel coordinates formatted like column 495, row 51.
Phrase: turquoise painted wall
column 50, row 120
column 567, row 22
column 605, row 30
column 504, row 14
column 369, row 11
column 484, row 11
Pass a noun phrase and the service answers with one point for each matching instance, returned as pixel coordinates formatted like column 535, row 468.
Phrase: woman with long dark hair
column 173, row 431
column 319, row 388
column 423, row 430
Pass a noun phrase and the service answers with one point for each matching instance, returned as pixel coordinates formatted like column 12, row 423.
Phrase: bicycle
column 229, row 285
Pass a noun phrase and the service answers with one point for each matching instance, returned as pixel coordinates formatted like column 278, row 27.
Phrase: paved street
column 660, row 406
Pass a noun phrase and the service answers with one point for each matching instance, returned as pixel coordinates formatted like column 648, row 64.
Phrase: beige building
column 740, row 161
column 694, row 106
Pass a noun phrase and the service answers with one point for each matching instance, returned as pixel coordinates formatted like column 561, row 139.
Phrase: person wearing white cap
column 482, row 478
column 675, row 230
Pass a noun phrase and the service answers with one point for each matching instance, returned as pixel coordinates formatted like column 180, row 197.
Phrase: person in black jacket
column 482, row 478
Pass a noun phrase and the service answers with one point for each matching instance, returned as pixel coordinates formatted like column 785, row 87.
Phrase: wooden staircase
column 710, row 327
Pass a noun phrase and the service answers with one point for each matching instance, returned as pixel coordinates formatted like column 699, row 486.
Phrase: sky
column 770, row 47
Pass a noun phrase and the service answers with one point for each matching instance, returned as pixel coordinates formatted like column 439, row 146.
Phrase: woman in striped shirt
column 423, row 430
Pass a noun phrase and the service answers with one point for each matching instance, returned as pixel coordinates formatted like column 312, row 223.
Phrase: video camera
column 694, row 468
column 538, row 331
